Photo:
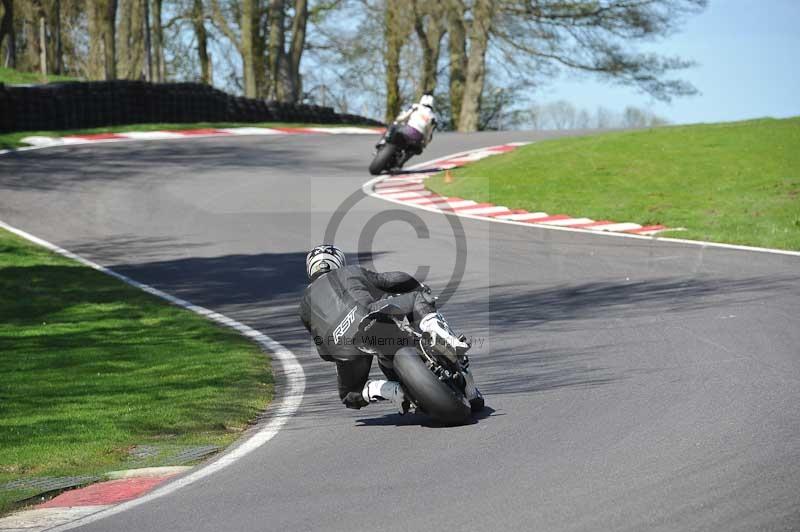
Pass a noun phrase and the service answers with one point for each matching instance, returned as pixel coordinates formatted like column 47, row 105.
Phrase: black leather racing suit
column 334, row 306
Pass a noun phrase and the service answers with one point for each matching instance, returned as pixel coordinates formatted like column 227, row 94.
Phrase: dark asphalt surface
column 633, row 384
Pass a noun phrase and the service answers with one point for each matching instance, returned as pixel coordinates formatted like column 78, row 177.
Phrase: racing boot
column 380, row 390
column 442, row 338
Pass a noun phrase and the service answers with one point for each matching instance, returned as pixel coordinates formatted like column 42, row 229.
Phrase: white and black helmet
column 323, row 259
column 427, row 101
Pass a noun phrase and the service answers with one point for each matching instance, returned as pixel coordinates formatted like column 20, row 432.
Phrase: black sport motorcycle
column 434, row 381
column 392, row 151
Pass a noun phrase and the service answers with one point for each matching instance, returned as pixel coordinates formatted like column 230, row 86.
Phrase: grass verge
column 735, row 182
column 92, row 367
column 10, row 76
column 14, row 140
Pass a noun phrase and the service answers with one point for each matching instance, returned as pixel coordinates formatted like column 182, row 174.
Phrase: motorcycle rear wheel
column 433, row 396
column 383, row 159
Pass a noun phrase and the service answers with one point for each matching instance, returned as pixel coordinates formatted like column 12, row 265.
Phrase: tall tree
column 158, row 42
column 42, row 42
column 201, row 35
column 8, row 34
column 109, row 16
column 249, row 42
column 479, row 28
column 298, row 44
column 429, row 25
column 397, row 27
column 131, row 39
column 55, row 44
column 102, row 62
column 123, row 38
column 109, row 37
column 249, row 25
column 284, row 67
column 457, row 49
column 148, row 48
column 31, row 15
column 277, row 52
column 94, row 66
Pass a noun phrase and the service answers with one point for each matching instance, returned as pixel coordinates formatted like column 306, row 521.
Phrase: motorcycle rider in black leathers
column 343, row 301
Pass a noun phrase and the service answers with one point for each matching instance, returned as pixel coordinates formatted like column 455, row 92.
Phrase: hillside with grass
column 736, row 182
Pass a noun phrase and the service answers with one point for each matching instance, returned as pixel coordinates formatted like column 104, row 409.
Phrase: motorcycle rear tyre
column 433, row 396
column 382, row 159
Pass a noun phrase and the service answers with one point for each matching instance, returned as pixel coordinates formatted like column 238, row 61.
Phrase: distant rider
column 416, row 124
column 343, row 301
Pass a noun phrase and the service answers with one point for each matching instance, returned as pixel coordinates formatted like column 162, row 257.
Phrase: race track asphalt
column 632, row 384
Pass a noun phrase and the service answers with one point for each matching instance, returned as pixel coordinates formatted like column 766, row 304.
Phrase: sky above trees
column 747, row 55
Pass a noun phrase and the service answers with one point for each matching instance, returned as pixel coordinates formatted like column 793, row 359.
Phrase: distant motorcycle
column 392, row 152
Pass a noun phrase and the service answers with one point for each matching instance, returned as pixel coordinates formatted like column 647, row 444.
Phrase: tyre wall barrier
column 80, row 105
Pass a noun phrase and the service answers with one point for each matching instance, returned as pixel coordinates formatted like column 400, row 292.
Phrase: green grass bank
column 9, row 76
column 736, row 182
column 92, row 368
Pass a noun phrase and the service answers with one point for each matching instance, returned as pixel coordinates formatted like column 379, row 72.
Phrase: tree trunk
column 394, row 38
column 124, row 39
column 136, row 45
column 277, row 49
column 131, row 37
column 158, row 42
column 43, row 46
column 148, row 51
column 102, row 62
column 457, row 47
column 202, row 41
column 482, row 13
column 7, row 32
column 57, row 46
column 109, row 14
column 96, row 61
column 296, row 49
column 430, row 40
column 32, row 55
column 249, row 25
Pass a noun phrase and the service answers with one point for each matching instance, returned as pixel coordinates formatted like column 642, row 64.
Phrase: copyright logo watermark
column 369, row 231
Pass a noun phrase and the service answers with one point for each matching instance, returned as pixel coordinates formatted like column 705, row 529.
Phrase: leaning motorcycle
column 434, row 382
column 392, row 151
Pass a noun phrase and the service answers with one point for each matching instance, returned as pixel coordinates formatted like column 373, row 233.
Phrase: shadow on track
column 83, row 165
column 263, row 290
column 511, row 307
column 420, row 420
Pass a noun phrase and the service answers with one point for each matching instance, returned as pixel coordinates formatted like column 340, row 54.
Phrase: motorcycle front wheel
column 383, row 159
column 432, row 396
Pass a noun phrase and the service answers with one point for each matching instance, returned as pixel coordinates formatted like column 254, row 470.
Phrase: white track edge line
column 367, row 189
column 279, row 414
